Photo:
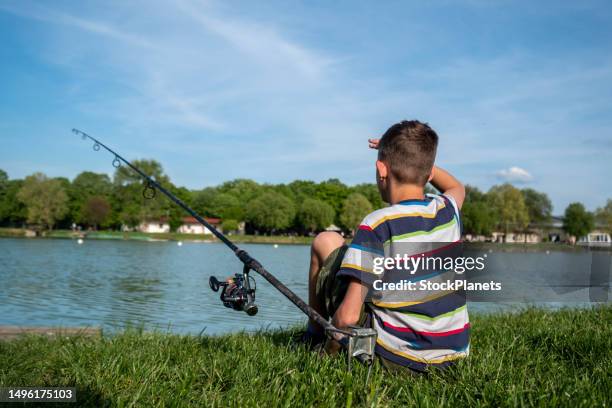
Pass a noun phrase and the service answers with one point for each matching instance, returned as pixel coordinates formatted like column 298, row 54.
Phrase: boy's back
column 415, row 328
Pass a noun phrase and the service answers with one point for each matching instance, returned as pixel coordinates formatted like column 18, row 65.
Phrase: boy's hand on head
column 373, row 143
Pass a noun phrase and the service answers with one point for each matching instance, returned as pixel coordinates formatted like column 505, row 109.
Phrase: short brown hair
column 409, row 149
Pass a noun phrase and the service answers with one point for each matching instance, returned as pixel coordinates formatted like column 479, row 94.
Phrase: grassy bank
column 535, row 357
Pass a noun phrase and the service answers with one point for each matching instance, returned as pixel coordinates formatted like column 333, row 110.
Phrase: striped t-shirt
column 417, row 328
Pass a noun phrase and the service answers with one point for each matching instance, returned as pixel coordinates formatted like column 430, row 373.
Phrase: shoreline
column 21, row 233
column 15, row 331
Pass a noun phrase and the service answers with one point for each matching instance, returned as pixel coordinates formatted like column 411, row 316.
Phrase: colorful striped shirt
column 415, row 328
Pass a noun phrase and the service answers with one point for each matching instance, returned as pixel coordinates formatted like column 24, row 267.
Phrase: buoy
column 275, row 245
column 180, row 243
column 80, row 241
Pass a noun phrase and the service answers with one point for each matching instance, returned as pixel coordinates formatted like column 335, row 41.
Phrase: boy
column 433, row 331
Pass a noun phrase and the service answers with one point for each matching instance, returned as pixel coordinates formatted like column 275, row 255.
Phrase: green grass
column 12, row 232
column 530, row 358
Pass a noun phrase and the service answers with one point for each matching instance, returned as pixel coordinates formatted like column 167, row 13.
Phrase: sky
column 518, row 92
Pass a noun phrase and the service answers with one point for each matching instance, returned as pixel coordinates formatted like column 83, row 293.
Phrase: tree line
column 98, row 201
column 505, row 208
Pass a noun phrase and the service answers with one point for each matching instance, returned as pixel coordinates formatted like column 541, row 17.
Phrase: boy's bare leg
column 322, row 246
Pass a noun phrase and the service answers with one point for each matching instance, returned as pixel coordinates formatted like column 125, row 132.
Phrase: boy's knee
column 326, row 242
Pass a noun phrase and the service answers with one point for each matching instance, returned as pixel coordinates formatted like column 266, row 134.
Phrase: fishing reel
column 237, row 293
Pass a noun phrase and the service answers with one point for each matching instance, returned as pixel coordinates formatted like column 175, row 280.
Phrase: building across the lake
column 189, row 225
column 596, row 238
column 192, row 226
column 551, row 231
column 157, row 226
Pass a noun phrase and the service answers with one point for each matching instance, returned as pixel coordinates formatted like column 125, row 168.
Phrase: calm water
column 165, row 286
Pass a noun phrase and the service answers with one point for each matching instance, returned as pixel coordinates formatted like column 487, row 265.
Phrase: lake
column 161, row 285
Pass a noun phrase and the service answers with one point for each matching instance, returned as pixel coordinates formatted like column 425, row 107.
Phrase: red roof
column 192, row 220
column 186, row 220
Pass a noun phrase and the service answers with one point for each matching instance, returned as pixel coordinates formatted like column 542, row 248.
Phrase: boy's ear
column 431, row 174
column 381, row 169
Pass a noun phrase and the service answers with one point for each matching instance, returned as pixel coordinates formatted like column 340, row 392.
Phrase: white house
column 160, row 225
column 191, row 226
column 596, row 238
column 517, row 237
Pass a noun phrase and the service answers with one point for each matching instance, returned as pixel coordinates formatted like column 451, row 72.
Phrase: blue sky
column 277, row 91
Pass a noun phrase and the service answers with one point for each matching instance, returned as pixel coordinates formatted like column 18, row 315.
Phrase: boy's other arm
column 349, row 310
column 347, row 314
column 447, row 184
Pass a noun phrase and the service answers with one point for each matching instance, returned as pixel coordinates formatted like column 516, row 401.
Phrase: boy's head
column 406, row 154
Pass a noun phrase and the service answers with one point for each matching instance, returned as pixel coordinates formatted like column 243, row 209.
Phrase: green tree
column 203, row 201
column 478, row 216
column 95, row 211
column 315, row 215
column 370, row 191
column 604, row 216
column 303, row 189
column 474, row 194
column 3, row 181
column 355, row 207
column 227, row 206
column 577, row 221
column 45, row 199
column 270, row 211
column 90, row 184
column 12, row 211
column 130, row 214
column 538, row 205
column 509, row 205
column 243, row 189
column 131, row 205
column 229, row 225
column 84, row 186
column 66, row 220
column 283, row 189
column 333, row 192
column 174, row 213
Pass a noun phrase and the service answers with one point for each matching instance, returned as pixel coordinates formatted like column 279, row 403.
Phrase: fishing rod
column 240, row 293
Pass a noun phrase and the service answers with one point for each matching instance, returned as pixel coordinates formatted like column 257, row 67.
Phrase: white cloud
column 515, row 174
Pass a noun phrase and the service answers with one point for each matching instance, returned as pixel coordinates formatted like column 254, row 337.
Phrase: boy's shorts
column 331, row 288
column 330, row 292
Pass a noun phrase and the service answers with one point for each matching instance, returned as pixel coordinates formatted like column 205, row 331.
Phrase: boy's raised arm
column 447, row 184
